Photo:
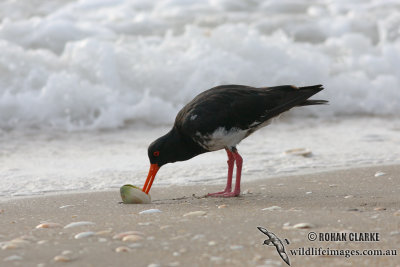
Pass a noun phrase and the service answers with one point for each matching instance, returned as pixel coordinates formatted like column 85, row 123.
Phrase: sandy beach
column 192, row 230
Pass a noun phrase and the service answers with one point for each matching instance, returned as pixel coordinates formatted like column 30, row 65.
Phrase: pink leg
column 231, row 163
column 236, row 192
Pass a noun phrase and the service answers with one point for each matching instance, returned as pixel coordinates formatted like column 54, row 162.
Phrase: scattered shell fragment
column 41, row 242
column 379, row 173
column 84, row 235
column 379, row 208
column 333, row 185
column 66, row 206
column 195, row 213
column 222, row 206
column 9, row 245
column 76, row 224
column 247, row 191
column 120, row 236
column 13, row 258
column 144, row 223
column 132, row 238
column 62, row 258
column 349, row 196
column 66, row 252
column 19, row 242
column 135, row 245
column 48, row 225
column 236, row 247
column 299, row 152
column 134, row 195
column 122, row 249
column 198, row 236
column 104, row 232
column 309, row 192
column 217, row 259
column 303, row 226
column 150, row 211
column 272, row 208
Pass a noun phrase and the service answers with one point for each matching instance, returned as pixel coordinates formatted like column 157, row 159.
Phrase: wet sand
column 192, row 230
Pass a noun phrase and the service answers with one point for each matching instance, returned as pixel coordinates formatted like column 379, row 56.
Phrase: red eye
column 156, row 153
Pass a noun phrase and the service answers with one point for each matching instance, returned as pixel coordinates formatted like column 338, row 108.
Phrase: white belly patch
column 221, row 138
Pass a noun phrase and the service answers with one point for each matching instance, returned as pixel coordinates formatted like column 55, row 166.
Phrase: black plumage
column 219, row 118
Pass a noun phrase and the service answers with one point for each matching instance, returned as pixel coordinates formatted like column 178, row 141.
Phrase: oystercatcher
column 220, row 118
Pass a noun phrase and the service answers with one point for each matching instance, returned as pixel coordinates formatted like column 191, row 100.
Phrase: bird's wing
column 236, row 106
column 230, row 106
column 264, row 231
column 284, row 257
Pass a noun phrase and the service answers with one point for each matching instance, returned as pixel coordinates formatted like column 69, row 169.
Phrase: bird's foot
column 225, row 194
column 218, row 194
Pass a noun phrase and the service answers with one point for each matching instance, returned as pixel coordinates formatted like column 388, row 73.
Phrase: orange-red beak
column 150, row 177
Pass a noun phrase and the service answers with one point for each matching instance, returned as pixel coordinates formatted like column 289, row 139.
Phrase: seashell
column 83, row 235
column 122, row 235
column 379, row 208
column 150, row 211
column 122, row 249
column 135, row 245
column 19, row 242
column 222, row 206
column 247, row 191
column 75, row 224
column 62, row 258
column 48, row 225
column 272, row 208
column 303, row 226
column 9, row 245
column 195, row 213
column 66, row 206
column 299, row 152
column 236, row 247
column 104, row 232
column 13, row 258
column 66, row 252
column 132, row 238
column 134, row 195
column 379, row 173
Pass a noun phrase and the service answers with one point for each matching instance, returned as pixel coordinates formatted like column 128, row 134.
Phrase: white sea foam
column 98, row 160
column 94, row 64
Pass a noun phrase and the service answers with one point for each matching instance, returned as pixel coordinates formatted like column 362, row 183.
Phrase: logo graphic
column 273, row 240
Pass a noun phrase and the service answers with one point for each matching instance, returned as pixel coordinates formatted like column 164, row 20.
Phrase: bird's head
column 169, row 148
column 160, row 152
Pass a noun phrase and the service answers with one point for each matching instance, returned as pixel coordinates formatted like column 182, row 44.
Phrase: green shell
column 131, row 194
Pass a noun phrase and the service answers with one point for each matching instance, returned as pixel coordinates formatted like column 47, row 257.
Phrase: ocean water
column 86, row 85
